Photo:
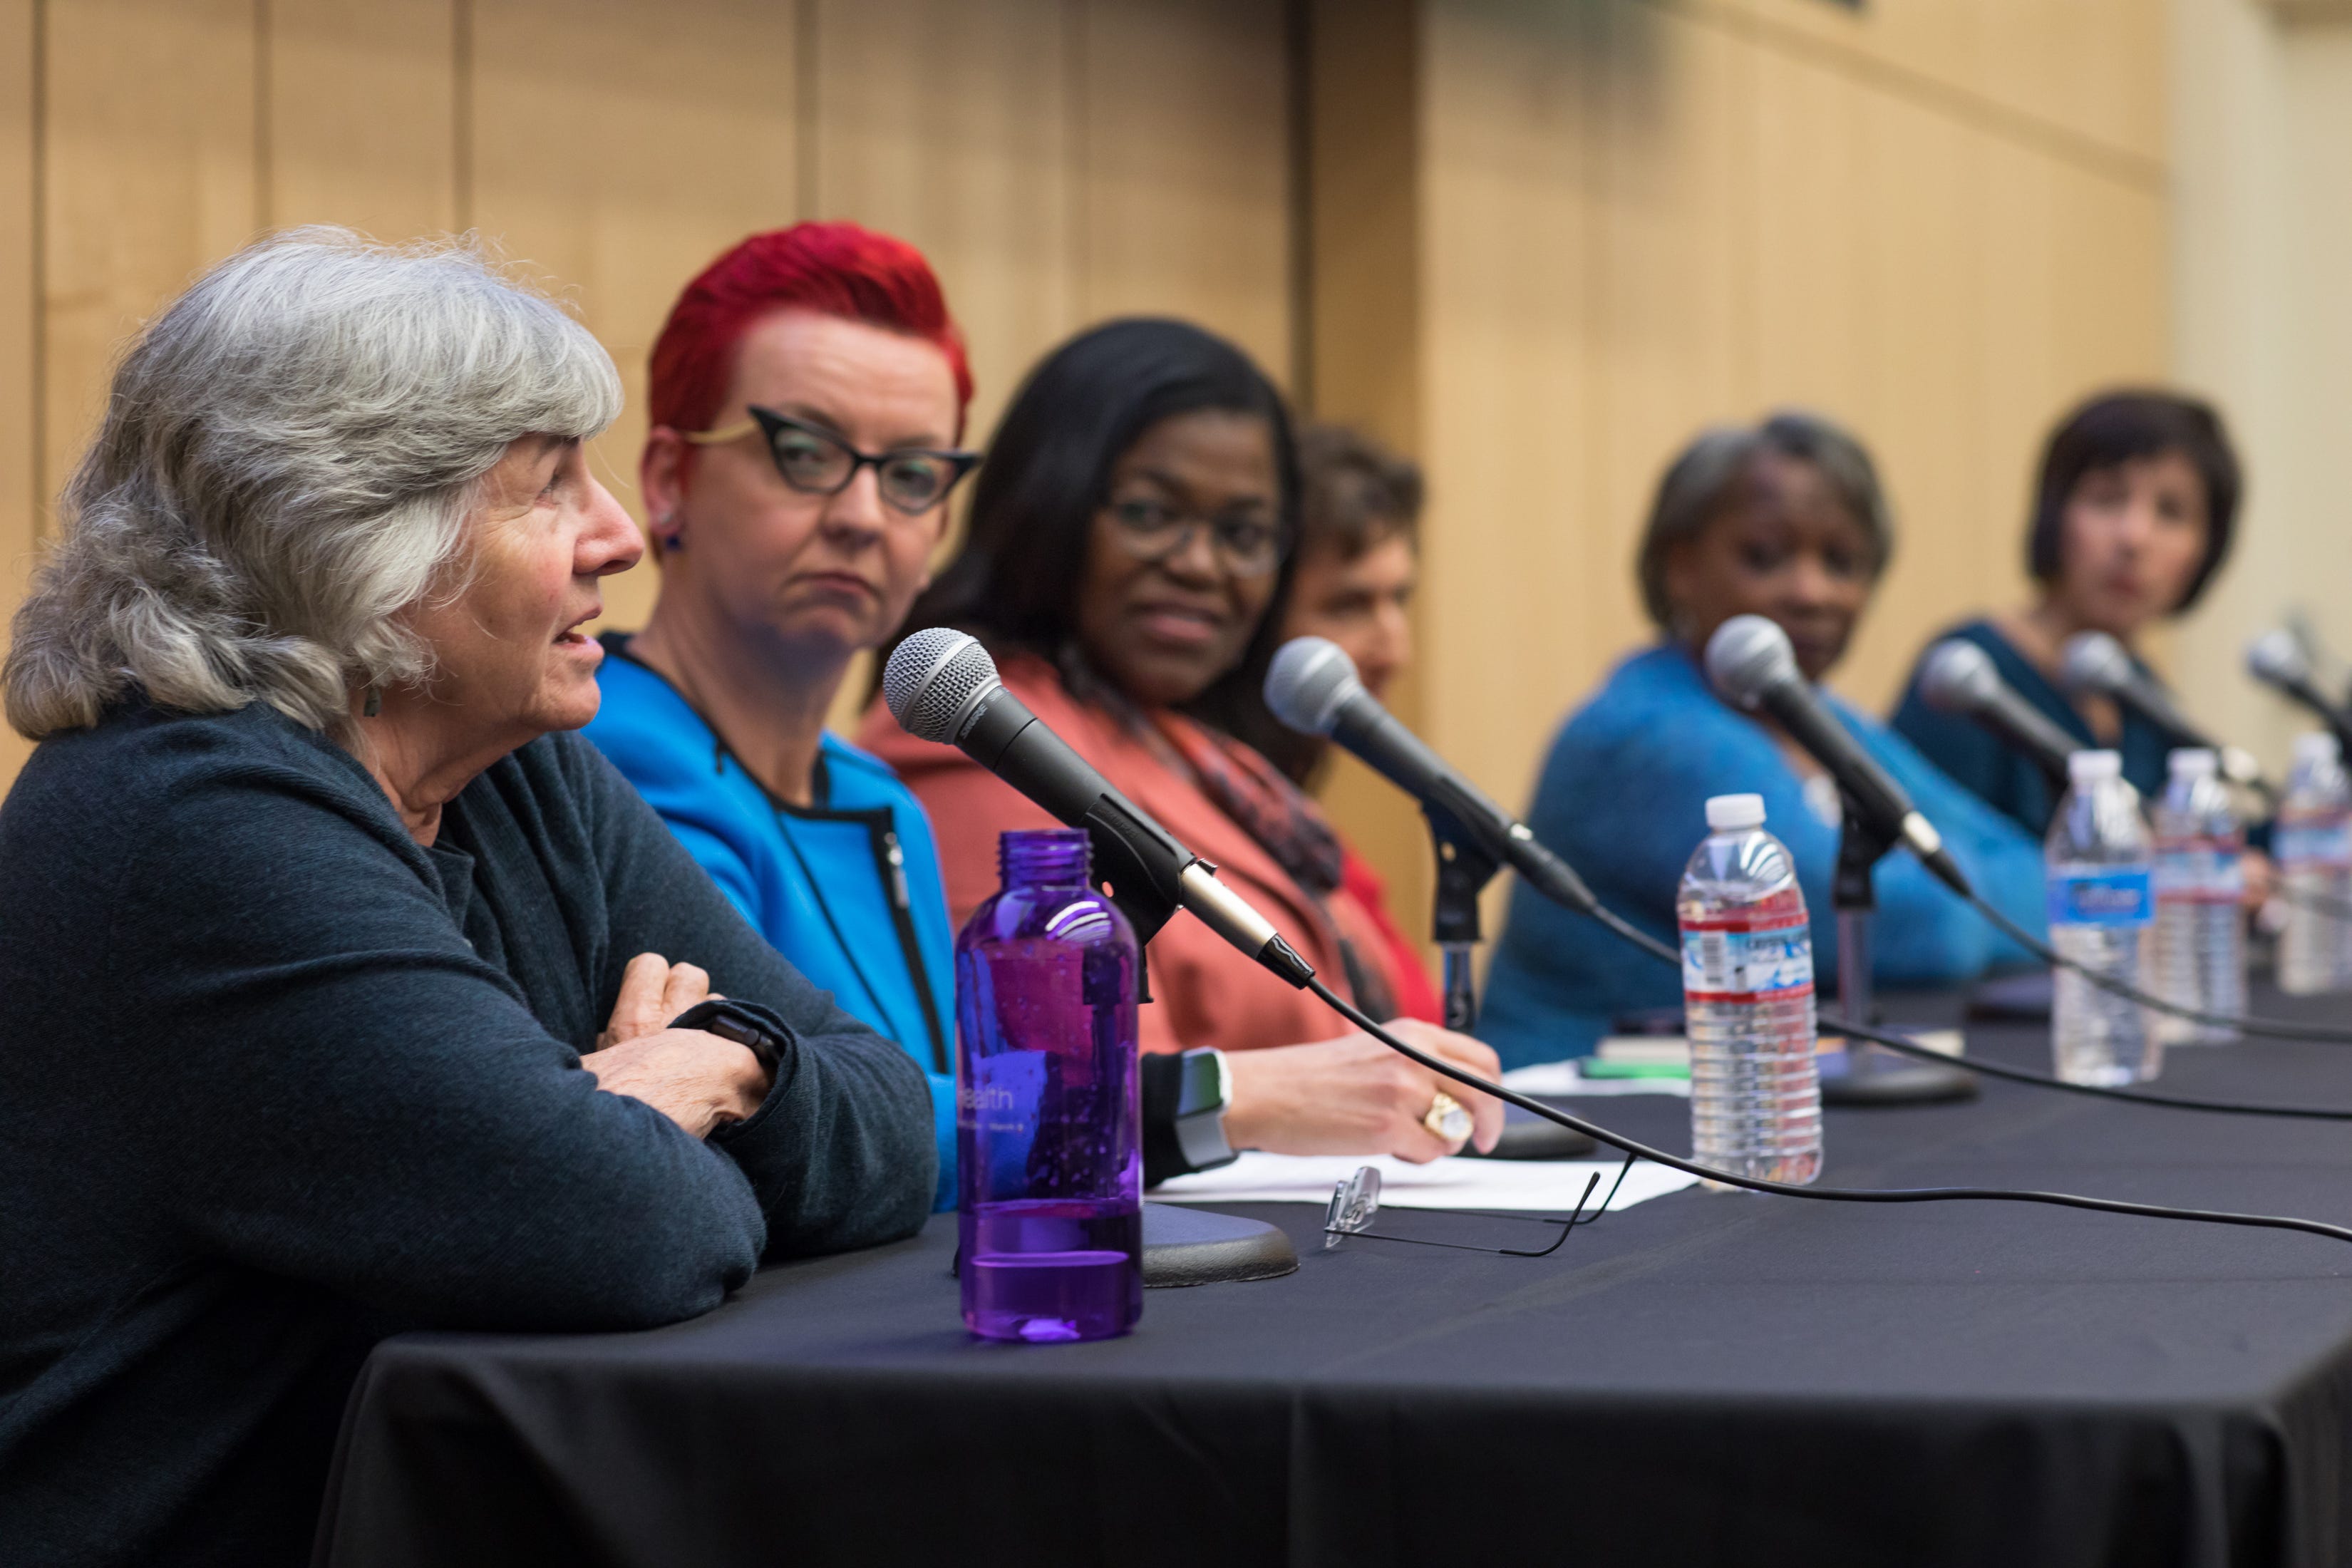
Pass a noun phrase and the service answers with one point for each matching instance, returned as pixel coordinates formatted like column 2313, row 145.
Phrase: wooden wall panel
column 617, row 151
column 1362, row 336
column 359, row 113
column 965, row 148
column 1673, row 330
column 149, row 177
column 1806, row 165
column 1509, row 183
column 20, row 232
column 1182, row 131
column 1921, row 282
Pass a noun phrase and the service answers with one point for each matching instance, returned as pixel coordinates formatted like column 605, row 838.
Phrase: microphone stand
column 1872, row 1077
column 1464, row 870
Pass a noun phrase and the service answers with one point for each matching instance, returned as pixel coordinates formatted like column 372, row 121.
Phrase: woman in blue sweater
column 1785, row 520
column 2135, row 508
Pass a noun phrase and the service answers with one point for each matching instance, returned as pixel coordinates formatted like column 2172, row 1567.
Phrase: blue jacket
column 1981, row 763
column 1622, row 798
column 848, row 889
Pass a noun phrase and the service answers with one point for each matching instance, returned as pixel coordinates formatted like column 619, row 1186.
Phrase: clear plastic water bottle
column 2313, row 845
column 2102, row 904
column 2198, row 955
column 1050, row 1165
column 1747, row 1000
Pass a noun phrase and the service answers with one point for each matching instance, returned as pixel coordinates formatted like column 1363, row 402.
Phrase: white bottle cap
column 1734, row 812
column 2193, row 762
column 2093, row 767
column 2317, row 746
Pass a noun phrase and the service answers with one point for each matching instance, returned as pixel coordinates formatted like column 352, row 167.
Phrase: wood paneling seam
column 2087, row 153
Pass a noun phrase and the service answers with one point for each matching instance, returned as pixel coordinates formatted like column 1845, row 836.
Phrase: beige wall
column 1060, row 161
column 2263, row 300
column 1534, row 242
column 1937, row 222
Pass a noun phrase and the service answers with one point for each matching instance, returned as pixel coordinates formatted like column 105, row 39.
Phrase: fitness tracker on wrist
column 1204, row 1092
column 737, row 1022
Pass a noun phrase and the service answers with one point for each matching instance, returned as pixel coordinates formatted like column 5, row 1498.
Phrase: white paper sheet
column 1550, row 1185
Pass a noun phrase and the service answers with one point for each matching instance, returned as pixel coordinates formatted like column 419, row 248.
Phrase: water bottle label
column 2199, row 871
column 2327, row 842
column 2121, row 897
column 1747, row 961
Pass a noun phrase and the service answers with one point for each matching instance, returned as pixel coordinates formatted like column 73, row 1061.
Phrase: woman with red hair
column 808, row 393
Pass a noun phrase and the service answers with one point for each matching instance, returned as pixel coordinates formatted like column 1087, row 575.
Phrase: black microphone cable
column 1617, row 1140
column 2271, row 1028
column 1619, row 926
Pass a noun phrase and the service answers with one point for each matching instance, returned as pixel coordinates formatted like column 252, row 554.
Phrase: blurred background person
column 1131, row 532
column 1785, row 520
column 340, row 981
column 2135, row 508
column 1357, row 563
column 806, row 395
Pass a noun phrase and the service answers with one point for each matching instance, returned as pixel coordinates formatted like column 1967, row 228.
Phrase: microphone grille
column 1307, row 680
column 2094, row 662
column 1957, row 676
column 2276, row 655
column 932, row 680
column 1746, row 656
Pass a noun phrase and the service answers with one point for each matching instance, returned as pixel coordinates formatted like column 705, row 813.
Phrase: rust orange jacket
column 1203, row 991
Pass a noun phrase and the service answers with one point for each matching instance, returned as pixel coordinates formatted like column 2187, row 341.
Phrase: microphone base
column 1876, row 1078
column 1187, row 1245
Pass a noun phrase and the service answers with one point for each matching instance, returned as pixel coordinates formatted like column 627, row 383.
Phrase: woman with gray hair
column 346, row 991
column 1787, row 521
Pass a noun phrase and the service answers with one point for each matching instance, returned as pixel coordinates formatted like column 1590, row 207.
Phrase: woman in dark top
column 339, row 980
column 2134, row 512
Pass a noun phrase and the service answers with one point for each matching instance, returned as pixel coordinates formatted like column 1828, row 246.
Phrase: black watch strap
column 741, row 1023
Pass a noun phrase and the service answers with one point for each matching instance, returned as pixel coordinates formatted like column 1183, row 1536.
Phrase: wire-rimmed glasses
column 1355, row 1201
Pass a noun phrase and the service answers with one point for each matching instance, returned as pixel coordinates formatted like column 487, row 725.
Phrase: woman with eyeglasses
column 806, row 395
column 1130, row 532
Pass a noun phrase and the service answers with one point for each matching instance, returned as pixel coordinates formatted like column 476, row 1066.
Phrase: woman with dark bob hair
column 1785, row 520
column 1131, row 531
column 347, row 991
column 2134, row 512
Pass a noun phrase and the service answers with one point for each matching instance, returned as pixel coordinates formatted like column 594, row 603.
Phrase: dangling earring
column 374, row 703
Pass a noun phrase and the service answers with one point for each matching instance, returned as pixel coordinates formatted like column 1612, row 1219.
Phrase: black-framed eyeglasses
column 1355, row 1201
column 816, row 462
column 1247, row 541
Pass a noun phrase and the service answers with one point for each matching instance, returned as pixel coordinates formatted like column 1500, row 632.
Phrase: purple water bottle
column 1049, row 1165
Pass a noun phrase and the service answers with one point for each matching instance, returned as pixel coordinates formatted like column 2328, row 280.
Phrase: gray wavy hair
column 1704, row 477
column 289, row 455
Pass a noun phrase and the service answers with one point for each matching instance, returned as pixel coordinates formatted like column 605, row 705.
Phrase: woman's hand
column 653, row 992
column 694, row 1078
column 1355, row 1096
column 2262, row 880
column 697, row 1079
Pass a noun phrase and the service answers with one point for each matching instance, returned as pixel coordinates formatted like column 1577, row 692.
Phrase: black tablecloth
column 1706, row 1379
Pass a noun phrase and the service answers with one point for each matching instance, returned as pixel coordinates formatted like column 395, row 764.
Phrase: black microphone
column 2277, row 660
column 1312, row 687
column 940, row 685
column 1959, row 677
column 2094, row 664
column 1750, row 662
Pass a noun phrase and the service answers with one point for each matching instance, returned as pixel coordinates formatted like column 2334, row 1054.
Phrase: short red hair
column 833, row 268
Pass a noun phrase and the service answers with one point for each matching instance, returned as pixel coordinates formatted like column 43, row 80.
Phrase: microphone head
column 933, row 680
column 1958, row 676
column 1307, row 683
column 2276, row 656
column 1747, row 657
column 2094, row 664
